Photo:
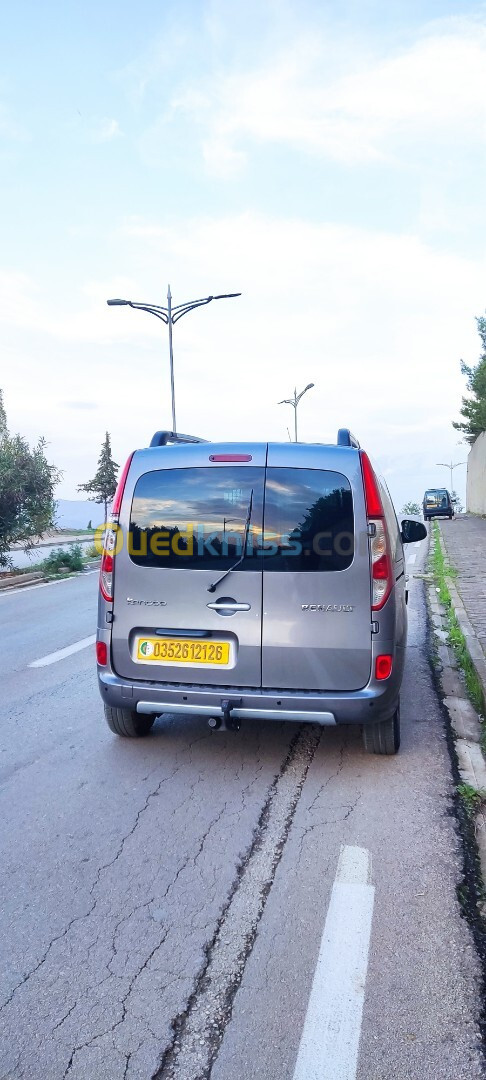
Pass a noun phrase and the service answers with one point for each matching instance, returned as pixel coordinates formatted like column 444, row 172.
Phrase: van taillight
column 107, row 563
column 383, row 666
column 109, row 543
column 101, row 653
column 381, row 568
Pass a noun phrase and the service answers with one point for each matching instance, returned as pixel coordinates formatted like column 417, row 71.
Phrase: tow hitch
column 226, row 722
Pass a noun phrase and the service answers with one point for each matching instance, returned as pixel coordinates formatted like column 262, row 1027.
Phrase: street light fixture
column 170, row 315
column 449, row 465
column 295, row 401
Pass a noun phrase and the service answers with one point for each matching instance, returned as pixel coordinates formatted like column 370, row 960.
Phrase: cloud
column 79, row 405
column 369, row 111
column 377, row 321
column 106, row 130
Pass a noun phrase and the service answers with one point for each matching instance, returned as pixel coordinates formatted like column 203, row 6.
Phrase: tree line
column 27, row 485
column 473, row 408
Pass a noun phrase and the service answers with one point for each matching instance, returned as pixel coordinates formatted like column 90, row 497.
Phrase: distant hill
column 77, row 513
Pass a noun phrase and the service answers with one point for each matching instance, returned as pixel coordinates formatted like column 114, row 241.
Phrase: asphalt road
column 201, row 904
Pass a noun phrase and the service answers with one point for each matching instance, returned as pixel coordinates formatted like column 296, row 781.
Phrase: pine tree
column 3, row 417
column 102, row 487
column 474, row 407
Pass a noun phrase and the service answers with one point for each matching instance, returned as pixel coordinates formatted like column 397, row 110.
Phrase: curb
column 22, row 581
column 464, row 720
column 474, row 647
column 19, row 581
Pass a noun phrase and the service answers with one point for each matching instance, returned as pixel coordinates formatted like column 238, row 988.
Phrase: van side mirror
column 412, row 531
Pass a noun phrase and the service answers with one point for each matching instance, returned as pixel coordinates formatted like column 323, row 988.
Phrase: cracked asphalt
column 138, row 874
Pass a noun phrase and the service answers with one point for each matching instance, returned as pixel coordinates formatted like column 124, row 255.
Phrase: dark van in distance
column 437, row 503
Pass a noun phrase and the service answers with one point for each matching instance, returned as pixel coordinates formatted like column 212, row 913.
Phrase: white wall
column 476, row 476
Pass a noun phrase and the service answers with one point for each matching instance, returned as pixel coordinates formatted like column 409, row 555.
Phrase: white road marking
column 411, row 559
column 53, row 657
column 330, row 1038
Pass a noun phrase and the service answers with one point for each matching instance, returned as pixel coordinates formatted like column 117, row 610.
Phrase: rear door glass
column 196, row 519
column 309, row 521
column 437, row 497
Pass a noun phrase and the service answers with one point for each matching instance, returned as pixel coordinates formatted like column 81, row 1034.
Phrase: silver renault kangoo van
column 255, row 580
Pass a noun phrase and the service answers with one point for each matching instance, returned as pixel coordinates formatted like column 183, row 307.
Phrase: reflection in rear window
column 198, row 518
column 309, row 521
column 437, row 497
column 213, row 518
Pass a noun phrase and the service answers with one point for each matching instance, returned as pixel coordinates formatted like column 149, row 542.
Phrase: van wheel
column 383, row 738
column 127, row 722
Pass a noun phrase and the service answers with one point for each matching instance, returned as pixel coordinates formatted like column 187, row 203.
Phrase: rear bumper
column 375, row 702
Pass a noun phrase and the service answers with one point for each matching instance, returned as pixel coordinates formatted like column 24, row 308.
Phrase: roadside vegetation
column 471, row 797
column 63, row 561
column 27, row 483
column 442, row 570
column 473, row 408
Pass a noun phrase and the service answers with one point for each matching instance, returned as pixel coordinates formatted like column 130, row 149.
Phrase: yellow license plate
column 182, row 651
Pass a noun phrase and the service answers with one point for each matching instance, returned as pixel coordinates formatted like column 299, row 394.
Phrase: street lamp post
column 449, row 465
column 170, row 315
column 295, row 401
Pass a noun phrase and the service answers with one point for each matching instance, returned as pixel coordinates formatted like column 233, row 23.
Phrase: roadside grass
column 471, row 797
column 441, row 569
column 76, row 532
column 456, row 639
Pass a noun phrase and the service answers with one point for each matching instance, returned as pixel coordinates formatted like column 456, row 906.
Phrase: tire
column 127, row 722
column 383, row 738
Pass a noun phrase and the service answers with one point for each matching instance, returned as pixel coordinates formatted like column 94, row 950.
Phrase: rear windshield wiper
column 211, row 588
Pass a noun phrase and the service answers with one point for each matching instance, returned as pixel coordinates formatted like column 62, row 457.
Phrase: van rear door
column 316, row 582
column 185, row 518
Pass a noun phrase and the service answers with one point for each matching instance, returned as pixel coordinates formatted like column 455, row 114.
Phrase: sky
column 327, row 160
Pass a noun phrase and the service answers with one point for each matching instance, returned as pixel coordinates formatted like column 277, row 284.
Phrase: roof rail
column 162, row 438
column 346, row 438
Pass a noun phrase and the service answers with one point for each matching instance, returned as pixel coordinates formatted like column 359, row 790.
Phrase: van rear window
column 309, row 521
column 208, row 518
column 436, row 497
column 197, row 518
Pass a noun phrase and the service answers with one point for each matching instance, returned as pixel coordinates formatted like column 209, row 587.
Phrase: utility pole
column 170, row 315
column 295, row 401
column 449, row 465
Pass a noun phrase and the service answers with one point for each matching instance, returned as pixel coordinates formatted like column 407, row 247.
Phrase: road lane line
column 196, row 1040
column 53, row 657
column 330, row 1039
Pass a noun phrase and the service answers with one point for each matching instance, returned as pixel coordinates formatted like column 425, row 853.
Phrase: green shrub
column 69, row 558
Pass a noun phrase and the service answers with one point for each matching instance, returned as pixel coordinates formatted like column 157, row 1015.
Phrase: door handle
column 228, row 607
